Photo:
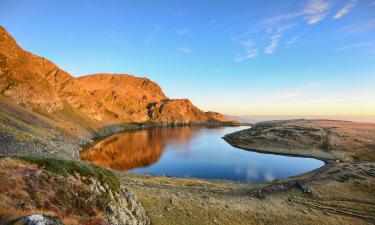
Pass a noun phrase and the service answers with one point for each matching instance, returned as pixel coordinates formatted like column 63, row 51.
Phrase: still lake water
column 194, row 151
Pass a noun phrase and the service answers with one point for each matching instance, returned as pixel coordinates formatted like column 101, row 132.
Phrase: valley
column 47, row 117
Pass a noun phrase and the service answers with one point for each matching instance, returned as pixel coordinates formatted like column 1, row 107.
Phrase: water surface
column 198, row 152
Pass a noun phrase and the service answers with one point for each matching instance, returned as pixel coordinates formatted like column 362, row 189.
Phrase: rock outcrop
column 37, row 219
column 70, row 192
column 125, row 96
column 38, row 84
column 182, row 111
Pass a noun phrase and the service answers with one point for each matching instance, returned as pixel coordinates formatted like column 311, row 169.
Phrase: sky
column 296, row 57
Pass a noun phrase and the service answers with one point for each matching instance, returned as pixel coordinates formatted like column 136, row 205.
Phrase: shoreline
column 280, row 153
column 323, row 195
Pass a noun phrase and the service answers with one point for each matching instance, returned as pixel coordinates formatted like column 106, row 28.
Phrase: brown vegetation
column 337, row 193
column 75, row 192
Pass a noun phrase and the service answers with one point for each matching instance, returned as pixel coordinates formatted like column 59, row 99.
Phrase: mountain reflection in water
column 194, row 151
column 136, row 149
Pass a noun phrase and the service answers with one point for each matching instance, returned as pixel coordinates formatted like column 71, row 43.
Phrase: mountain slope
column 37, row 84
column 126, row 96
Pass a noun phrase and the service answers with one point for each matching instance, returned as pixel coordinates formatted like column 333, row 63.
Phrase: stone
column 37, row 219
column 304, row 187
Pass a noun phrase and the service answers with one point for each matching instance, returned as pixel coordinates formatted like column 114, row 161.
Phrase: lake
column 192, row 151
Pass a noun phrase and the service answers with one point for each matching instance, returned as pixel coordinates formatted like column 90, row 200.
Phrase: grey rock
column 305, row 188
column 38, row 219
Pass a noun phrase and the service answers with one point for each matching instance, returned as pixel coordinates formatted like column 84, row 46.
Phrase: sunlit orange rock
column 38, row 84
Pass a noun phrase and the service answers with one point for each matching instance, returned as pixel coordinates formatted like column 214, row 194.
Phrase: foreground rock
column 37, row 219
column 74, row 192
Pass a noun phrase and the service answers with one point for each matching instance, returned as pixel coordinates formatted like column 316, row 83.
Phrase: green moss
column 65, row 167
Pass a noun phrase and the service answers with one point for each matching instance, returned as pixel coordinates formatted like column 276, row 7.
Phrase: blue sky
column 236, row 57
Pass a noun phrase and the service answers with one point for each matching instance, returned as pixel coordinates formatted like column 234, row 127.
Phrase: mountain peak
column 36, row 83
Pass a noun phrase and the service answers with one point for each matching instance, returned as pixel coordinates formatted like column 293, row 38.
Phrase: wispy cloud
column 183, row 31
column 275, row 37
column 274, row 43
column 312, row 13
column 185, row 50
column 360, row 27
column 250, row 54
column 250, row 51
column 344, row 10
column 315, row 11
column 277, row 26
column 357, row 45
column 295, row 39
column 154, row 34
column 296, row 92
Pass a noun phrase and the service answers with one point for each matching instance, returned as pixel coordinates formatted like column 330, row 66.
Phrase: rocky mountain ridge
column 36, row 83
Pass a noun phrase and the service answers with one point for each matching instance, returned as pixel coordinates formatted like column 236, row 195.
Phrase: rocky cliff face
column 125, row 96
column 37, row 84
column 181, row 111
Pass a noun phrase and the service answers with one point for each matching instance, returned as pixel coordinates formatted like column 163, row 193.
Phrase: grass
column 123, row 127
column 22, row 124
column 68, row 112
column 66, row 167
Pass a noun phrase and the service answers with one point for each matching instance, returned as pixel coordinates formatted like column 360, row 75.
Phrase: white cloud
column 344, row 10
column 250, row 54
column 185, row 50
column 239, row 58
column 295, row 39
column 296, row 92
column 360, row 27
column 246, row 43
column 312, row 13
column 183, row 31
column 277, row 27
column 250, row 51
column 315, row 11
column 357, row 45
column 292, row 41
column 273, row 44
column 155, row 33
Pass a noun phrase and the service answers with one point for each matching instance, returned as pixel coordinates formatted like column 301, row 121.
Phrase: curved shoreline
column 107, row 159
column 327, row 195
column 280, row 153
column 336, row 193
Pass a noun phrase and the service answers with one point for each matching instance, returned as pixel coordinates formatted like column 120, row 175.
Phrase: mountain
column 37, row 84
